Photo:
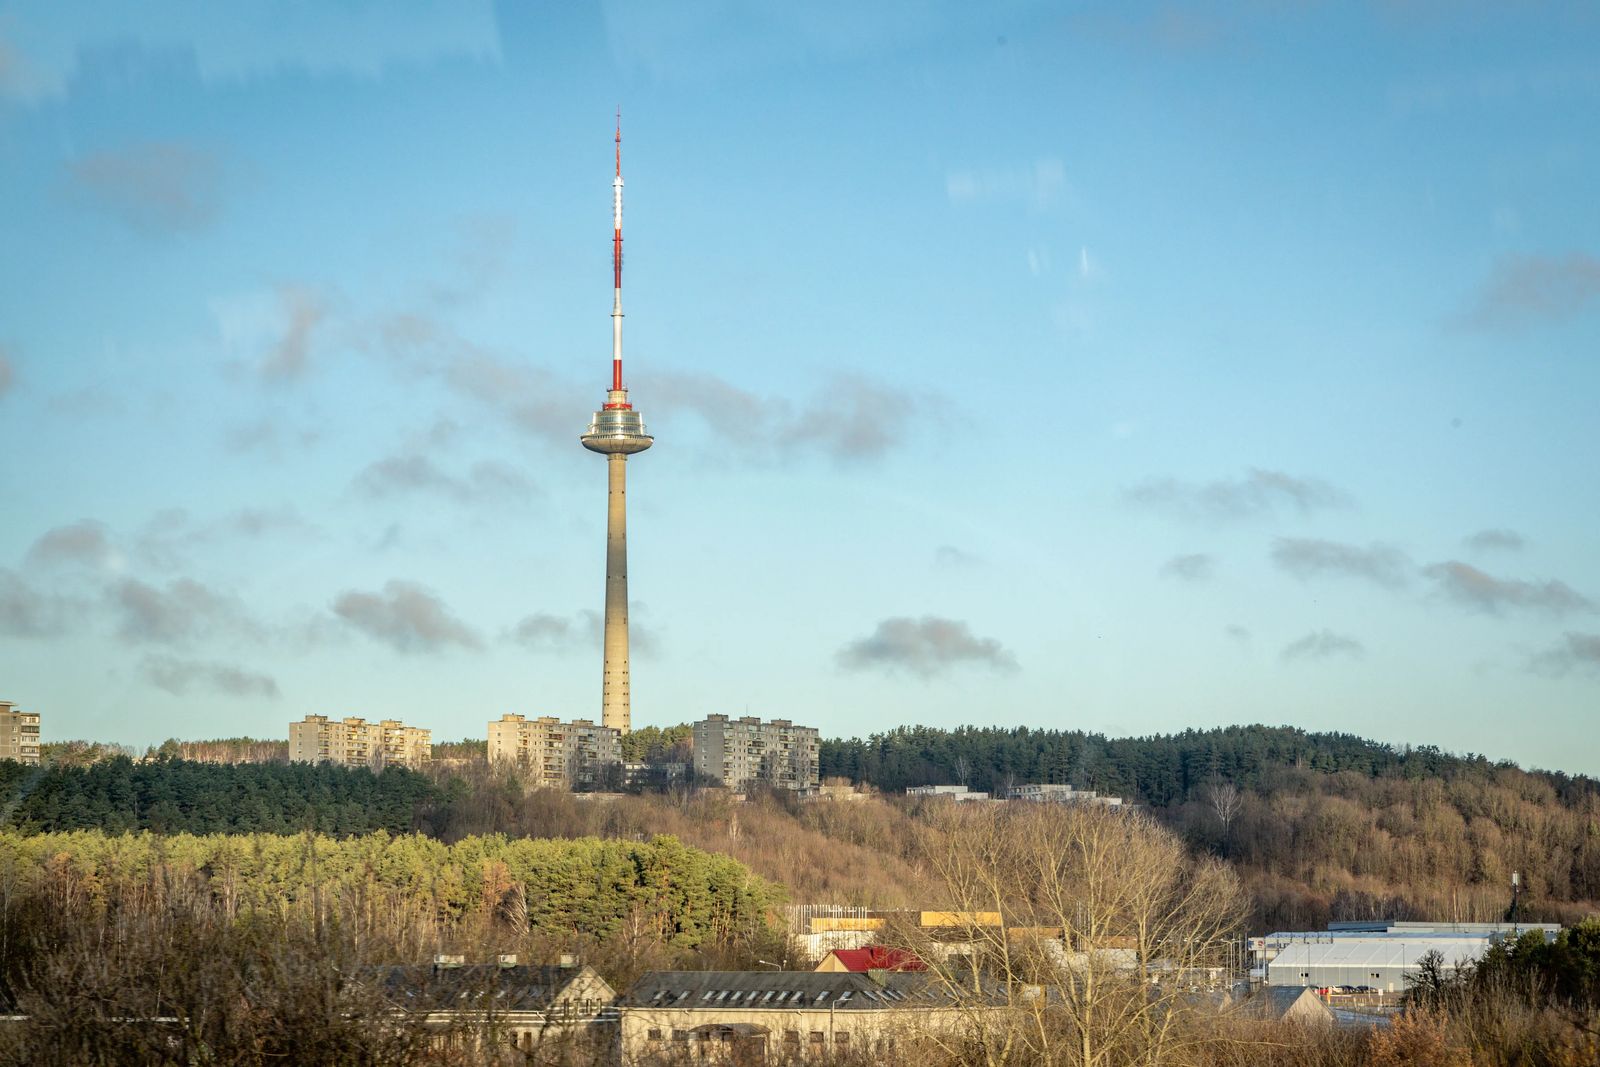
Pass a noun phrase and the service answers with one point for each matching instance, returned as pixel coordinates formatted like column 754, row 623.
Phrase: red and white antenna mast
column 616, row 272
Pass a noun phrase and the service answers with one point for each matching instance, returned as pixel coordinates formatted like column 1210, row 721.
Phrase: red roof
column 878, row 958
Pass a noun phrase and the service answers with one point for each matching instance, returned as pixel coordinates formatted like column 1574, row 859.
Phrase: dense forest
column 408, row 889
column 173, row 796
column 1160, row 770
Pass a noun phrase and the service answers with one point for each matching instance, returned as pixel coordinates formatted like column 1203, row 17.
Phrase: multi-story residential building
column 19, row 733
column 355, row 742
column 742, row 752
column 555, row 754
column 654, row 776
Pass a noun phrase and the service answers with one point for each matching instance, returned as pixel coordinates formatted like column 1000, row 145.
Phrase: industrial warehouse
column 1375, row 957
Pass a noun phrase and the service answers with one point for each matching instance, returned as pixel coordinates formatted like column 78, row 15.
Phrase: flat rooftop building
column 1056, row 793
column 557, row 755
column 948, row 792
column 355, row 742
column 1378, row 955
column 743, row 752
column 19, row 734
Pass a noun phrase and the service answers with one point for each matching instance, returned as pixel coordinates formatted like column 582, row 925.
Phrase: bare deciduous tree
column 1075, row 935
column 1225, row 801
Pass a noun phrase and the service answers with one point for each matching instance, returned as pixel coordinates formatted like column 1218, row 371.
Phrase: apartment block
column 355, row 742
column 19, row 734
column 746, row 751
column 555, row 754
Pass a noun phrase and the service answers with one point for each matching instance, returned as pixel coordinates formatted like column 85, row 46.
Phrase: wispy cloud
column 8, row 374
column 1258, row 492
column 1470, row 587
column 86, row 543
column 227, row 46
column 532, row 399
column 28, row 612
column 268, row 436
column 925, row 647
column 1575, row 652
column 303, row 312
column 179, row 676
column 407, row 617
column 850, row 418
column 1495, row 540
column 156, row 187
column 1191, row 567
column 417, row 473
column 543, row 632
column 170, row 537
column 1523, row 291
column 1037, row 185
column 180, row 612
column 1237, row 632
column 955, row 558
column 1304, row 558
column 1323, row 644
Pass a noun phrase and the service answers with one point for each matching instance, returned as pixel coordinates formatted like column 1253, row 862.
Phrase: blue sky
column 1108, row 366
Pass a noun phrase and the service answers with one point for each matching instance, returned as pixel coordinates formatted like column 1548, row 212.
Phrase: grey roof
column 475, row 987
column 784, row 990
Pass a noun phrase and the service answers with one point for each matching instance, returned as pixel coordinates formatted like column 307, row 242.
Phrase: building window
column 680, row 1035
column 791, row 1038
column 653, row 1035
column 841, row 1040
column 816, row 1038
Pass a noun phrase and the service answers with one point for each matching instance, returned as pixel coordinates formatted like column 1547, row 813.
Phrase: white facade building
column 355, row 742
column 1377, row 955
column 742, row 752
column 557, row 755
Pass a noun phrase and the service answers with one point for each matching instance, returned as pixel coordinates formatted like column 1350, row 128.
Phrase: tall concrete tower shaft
column 617, row 432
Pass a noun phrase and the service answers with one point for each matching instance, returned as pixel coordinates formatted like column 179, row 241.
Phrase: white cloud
column 243, row 39
column 1038, row 185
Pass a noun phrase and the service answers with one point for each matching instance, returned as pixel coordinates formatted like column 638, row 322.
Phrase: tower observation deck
column 616, row 432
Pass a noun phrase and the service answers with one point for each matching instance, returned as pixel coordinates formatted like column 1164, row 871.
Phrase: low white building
column 1055, row 793
column 1375, row 955
column 948, row 792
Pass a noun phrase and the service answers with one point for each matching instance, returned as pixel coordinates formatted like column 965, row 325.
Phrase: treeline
column 659, row 744
column 179, row 796
column 225, row 750
column 1158, row 770
column 270, row 948
column 408, row 891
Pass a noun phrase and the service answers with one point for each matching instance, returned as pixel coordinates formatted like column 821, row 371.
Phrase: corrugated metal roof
column 520, row 988
column 785, row 990
column 1377, row 951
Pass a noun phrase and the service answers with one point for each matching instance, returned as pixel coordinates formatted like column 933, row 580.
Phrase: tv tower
column 617, row 432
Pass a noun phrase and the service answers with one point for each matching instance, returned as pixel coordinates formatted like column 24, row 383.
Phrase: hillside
column 1319, row 826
